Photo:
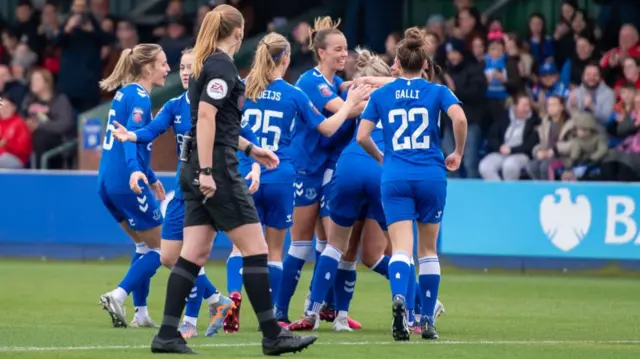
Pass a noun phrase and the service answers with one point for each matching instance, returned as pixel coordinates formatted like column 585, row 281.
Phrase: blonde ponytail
column 217, row 25
column 370, row 64
column 130, row 64
column 121, row 74
column 269, row 54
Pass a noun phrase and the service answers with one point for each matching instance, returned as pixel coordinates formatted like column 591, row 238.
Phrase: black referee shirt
column 219, row 84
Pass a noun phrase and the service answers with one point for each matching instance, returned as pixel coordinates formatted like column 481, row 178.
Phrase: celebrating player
column 125, row 167
column 176, row 113
column 355, row 189
column 413, row 172
column 215, row 195
column 312, row 153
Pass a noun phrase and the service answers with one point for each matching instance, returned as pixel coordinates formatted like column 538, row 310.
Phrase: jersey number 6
column 262, row 127
column 416, row 140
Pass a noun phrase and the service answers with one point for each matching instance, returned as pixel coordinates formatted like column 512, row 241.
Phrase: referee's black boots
column 286, row 342
column 176, row 345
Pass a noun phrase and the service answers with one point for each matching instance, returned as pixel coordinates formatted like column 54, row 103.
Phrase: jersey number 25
column 415, row 140
column 108, row 136
column 262, row 126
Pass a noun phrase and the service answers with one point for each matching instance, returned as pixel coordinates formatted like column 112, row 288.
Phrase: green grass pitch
column 50, row 310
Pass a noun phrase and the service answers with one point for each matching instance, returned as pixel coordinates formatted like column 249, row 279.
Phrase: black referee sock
column 181, row 280
column 255, row 275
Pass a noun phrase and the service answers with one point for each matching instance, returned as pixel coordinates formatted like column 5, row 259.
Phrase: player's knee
column 168, row 259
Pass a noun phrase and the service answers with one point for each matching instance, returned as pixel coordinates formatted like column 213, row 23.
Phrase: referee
column 216, row 197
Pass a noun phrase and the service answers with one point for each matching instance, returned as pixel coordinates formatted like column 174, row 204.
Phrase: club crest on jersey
column 137, row 114
column 311, row 193
column 217, row 89
column 325, row 90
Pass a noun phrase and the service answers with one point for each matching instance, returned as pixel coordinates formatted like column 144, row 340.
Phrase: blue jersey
column 131, row 106
column 312, row 150
column 409, row 110
column 343, row 136
column 272, row 119
column 175, row 113
column 354, row 147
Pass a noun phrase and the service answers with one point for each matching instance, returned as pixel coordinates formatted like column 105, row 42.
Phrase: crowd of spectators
column 562, row 104
column 559, row 101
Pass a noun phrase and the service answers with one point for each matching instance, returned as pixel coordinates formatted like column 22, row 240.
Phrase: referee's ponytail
column 130, row 64
column 217, row 25
column 271, row 51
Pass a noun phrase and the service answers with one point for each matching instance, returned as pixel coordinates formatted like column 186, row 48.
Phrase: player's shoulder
column 219, row 62
column 310, row 76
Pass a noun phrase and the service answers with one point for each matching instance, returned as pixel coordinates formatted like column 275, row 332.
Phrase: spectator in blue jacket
column 548, row 85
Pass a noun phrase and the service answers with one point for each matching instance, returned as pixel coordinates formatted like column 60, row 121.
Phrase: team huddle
column 354, row 163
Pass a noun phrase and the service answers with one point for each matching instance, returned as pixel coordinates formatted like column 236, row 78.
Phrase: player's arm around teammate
column 415, row 189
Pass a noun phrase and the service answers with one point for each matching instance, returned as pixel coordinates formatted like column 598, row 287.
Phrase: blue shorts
column 173, row 225
column 308, row 187
column 327, row 180
column 141, row 212
column 274, row 203
column 421, row 200
column 355, row 191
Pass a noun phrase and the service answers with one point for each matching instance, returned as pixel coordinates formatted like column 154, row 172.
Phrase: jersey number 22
column 417, row 139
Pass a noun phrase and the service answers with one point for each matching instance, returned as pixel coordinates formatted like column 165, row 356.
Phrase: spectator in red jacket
column 15, row 137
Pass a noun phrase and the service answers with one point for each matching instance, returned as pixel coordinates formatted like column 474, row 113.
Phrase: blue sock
column 208, row 288
column 411, row 293
column 194, row 300
column 275, row 277
column 141, row 292
column 330, row 299
column 429, row 285
column 234, row 273
column 382, row 266
column 143, row 269
column 400, row 274
column 417, row 301
column 320, row 246
column 345, row 285
column 291, row 271
column 323, row 277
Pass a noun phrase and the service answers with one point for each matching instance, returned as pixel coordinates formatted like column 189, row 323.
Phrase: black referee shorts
column 231, row 205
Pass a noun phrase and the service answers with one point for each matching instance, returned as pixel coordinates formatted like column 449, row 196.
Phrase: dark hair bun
column 413, row 38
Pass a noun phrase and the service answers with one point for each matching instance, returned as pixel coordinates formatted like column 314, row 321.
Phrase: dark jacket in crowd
column 471, row 88
column 80, row 64
column 496, row 137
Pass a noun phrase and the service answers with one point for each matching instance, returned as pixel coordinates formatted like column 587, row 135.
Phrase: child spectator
column 495, row 70
column 586, row 150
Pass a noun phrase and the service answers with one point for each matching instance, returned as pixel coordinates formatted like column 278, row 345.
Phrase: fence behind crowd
column 486, row 224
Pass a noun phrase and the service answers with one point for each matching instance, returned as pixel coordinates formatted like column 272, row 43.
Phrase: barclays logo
column 567, row 221
column 564, row 221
